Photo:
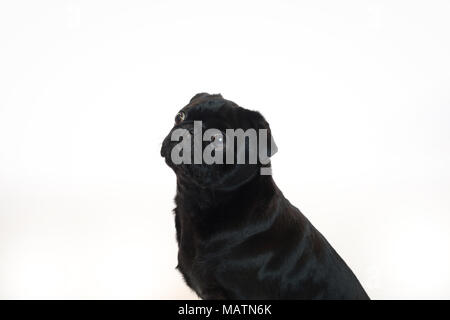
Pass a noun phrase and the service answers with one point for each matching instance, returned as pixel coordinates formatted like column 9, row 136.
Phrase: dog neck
column 202, row 202
column 203, row 213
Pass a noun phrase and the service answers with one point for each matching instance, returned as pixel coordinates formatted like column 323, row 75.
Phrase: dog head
column 214, row 143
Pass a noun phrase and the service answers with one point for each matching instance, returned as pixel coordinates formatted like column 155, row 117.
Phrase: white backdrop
column 356, row 92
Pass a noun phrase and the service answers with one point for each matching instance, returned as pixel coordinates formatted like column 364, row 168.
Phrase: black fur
column 238, row 236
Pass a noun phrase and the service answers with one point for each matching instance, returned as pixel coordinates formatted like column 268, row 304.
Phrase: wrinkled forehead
column 211, row 108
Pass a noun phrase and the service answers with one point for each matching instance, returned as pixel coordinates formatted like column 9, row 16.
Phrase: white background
column 356, row 92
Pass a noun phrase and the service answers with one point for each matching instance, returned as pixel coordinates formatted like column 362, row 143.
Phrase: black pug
column 238, row 236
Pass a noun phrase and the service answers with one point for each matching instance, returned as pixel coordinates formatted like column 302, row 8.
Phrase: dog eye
column 217, row 140
column 180, row 117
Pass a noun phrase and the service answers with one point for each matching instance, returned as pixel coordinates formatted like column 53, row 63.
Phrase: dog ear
column 244, row 172
column 258, row 122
